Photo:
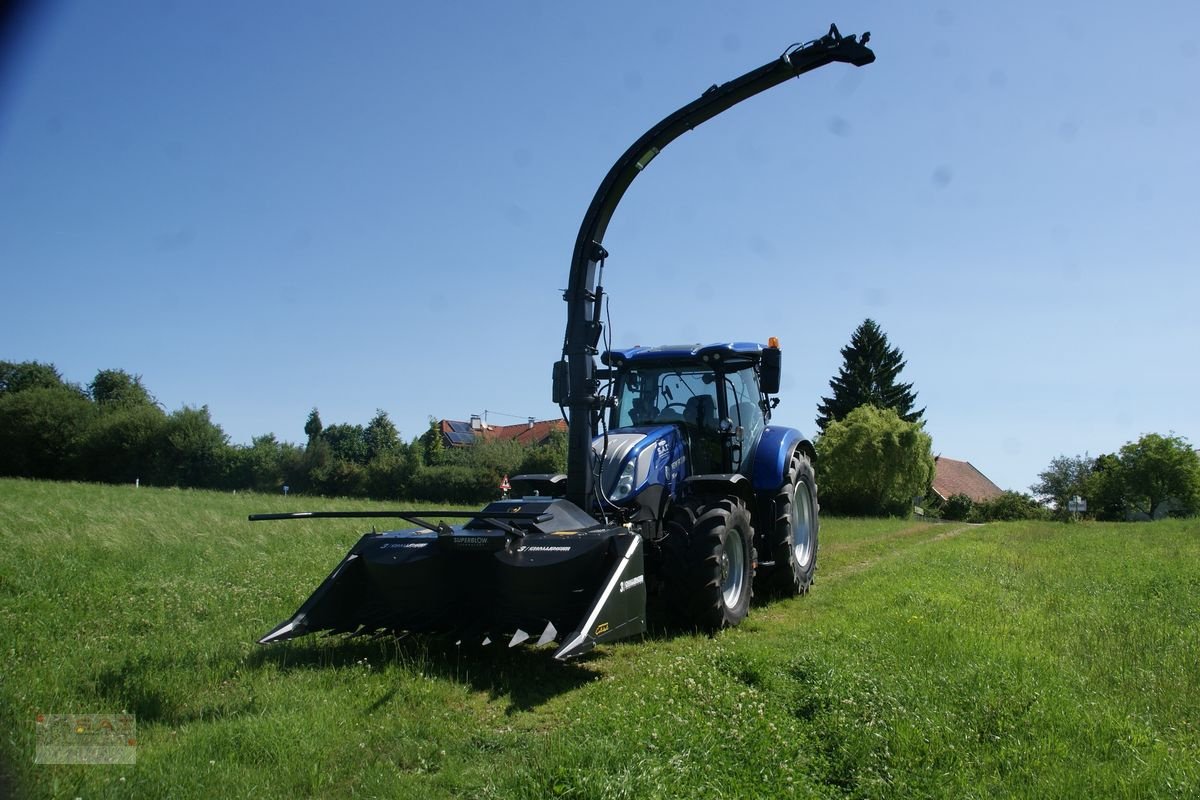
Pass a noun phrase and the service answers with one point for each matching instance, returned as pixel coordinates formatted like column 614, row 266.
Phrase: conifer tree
column 868, row 377
column 313, row 426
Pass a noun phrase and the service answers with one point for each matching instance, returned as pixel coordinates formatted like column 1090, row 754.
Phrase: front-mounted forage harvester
column 679, row 491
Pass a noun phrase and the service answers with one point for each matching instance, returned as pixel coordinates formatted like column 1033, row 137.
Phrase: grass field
column 1008, row 660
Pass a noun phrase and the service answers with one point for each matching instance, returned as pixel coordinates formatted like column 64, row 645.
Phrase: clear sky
column 270, row 206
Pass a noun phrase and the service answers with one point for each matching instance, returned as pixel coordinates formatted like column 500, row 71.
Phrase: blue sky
column 266, row 207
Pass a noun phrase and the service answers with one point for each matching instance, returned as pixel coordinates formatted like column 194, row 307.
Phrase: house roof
column 462, row 434
column 961, row 477
column 526, row 433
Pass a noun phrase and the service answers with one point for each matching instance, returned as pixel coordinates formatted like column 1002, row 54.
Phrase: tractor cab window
column 662, row 395
column 745, row 407
column 745, row 412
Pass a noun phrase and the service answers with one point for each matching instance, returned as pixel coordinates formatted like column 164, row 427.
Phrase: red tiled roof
column 524, row 432
column 960, row 477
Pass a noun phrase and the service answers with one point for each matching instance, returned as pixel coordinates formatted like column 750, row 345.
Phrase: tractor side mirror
column 769, row 370
column 560, row 383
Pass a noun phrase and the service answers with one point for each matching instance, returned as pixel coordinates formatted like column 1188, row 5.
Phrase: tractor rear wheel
column 718, row 578
column 794, row 537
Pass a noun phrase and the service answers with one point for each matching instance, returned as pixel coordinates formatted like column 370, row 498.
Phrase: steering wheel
column 672, row 412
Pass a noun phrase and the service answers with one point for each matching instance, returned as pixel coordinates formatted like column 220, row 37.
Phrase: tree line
column 114, row 431
column 875, row 458
column 1154, row 477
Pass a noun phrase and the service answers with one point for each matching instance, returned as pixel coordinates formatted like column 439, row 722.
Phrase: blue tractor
column 679, row 491
column 724, row 501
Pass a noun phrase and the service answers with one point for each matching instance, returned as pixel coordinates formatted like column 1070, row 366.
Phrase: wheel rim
column 733, row 568
column 802, row 525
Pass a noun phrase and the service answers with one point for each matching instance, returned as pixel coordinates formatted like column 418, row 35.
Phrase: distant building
column 961, row 477
column 465, row 434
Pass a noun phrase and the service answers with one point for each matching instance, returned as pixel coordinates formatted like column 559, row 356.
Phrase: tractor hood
column 633, row 458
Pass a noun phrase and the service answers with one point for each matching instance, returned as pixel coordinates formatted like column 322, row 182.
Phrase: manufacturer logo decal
column 404, row 545
column 471, row 541
column 632, row 582
column 601, row 628
column 541, row 548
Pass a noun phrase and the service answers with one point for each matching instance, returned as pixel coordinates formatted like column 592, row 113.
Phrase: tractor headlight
column 625, row 481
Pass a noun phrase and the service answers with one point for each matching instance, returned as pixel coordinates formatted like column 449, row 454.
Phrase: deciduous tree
column 1159, row 468
column 195, row 450
column 116, row 387
column 41, row 429
column 1104, row 491
column 19, row 376
column 381, row 435
column 1065, row 478
column 347, row 442
column 873, row 463
column 122, row 443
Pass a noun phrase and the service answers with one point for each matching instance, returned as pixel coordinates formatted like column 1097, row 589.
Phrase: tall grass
column 1010, row 660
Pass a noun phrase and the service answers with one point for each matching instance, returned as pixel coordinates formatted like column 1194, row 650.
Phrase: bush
column 390, row 474
column 262, row 467
column 1008, row 506
column 194, row 450
column 122, row 443
column 452, row 483
column 338, row 478
column 958, row 507
column 550, row 457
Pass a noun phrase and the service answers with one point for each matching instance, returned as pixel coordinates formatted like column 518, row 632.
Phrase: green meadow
column 1033, row 660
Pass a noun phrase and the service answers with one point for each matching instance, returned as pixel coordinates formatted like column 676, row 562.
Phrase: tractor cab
column 713, row 393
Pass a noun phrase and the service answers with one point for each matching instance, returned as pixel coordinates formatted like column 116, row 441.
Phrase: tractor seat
column 701, row 413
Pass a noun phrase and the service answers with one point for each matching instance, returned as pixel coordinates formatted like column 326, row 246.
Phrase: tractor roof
column 722, row 352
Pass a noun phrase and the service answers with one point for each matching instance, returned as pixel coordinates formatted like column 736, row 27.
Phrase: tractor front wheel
column 719, row 577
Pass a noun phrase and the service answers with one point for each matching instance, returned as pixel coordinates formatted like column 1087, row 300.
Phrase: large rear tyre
column 718, row 580
column 794, row 537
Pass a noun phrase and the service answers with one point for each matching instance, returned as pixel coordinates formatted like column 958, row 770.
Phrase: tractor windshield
column 658, row 395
